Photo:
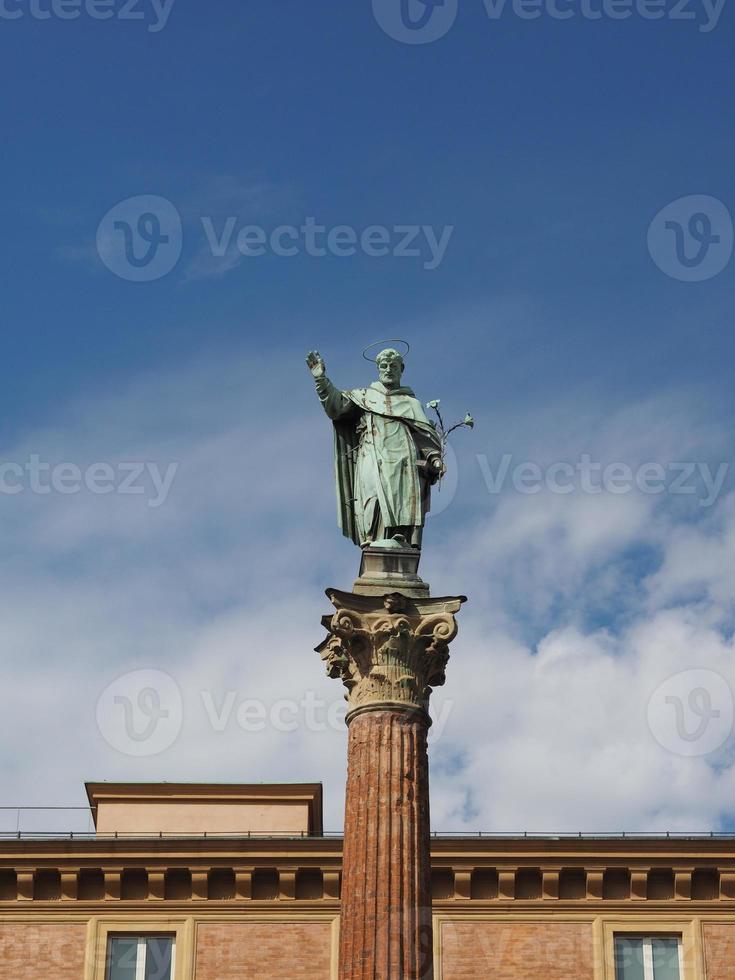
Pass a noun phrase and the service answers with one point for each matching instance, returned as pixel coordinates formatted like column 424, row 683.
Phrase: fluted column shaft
column 386, row 931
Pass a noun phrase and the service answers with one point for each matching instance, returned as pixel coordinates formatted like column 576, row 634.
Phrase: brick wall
column 719, row 950
column 516, row 950
column 53, row 950
column 260, row 950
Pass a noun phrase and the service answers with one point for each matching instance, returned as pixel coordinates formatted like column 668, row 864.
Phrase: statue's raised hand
column 315, row 364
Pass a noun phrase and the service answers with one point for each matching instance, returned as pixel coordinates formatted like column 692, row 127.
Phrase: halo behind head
column 371, row 352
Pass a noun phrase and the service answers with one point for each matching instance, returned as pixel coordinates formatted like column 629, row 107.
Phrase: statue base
column 391, row 569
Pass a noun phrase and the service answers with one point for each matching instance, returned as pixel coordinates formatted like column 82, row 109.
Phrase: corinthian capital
column 390, row 649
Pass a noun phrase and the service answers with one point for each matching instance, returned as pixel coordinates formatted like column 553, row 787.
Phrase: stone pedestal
column 391, row 569
column 389, row 650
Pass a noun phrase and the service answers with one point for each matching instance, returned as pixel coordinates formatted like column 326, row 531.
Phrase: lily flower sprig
column 445, row 432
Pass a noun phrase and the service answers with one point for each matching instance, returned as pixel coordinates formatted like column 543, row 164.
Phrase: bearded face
column 390, row 367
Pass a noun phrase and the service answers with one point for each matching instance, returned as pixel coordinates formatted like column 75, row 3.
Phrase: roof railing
column 14, row 822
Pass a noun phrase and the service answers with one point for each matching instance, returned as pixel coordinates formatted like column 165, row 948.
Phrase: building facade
column 212, row 882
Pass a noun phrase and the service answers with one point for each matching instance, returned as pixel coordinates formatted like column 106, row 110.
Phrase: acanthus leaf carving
column 389, row 649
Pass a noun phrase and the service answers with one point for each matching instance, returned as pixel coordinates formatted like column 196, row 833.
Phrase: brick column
column 389, row 650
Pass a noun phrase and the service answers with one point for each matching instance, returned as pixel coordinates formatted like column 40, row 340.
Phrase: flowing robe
column 383, row 448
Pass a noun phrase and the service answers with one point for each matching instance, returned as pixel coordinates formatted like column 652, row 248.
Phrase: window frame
column 647, row 939
column 141, row 952
column 102, row 929
column 686, row 930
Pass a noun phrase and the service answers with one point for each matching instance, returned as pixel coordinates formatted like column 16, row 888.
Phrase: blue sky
column 547, row 147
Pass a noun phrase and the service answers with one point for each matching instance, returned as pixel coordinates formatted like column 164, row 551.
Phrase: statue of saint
column 387, row 455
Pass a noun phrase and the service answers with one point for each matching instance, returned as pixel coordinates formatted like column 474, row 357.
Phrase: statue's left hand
column 437, row 469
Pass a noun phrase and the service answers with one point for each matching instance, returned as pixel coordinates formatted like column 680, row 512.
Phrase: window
column 140, row 958
column 648, row 958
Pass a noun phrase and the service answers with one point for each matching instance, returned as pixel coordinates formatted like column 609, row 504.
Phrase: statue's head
column 390, row 367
